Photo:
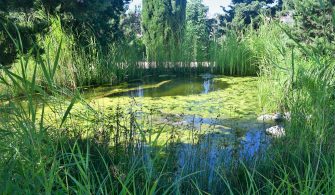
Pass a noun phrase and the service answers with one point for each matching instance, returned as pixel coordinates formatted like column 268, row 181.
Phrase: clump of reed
column 235, row 57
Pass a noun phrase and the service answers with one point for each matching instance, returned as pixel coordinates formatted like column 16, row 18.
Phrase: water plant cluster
column 68, row 125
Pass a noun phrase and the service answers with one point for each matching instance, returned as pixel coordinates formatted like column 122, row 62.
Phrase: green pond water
column 205, row 96
column 223, row 108
column 173, row 87
column 212, row 118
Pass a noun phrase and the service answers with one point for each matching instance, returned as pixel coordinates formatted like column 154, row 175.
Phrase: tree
column 162, row 25
column 102, row 16
column 315, row 23
column 197, row 31
column 18, row 12
column 178, row 24
column 314, row 18
column 131, row 28
column 246, row 12
column 131, row 23
column 86, row 18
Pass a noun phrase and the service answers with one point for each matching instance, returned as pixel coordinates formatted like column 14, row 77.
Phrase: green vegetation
column 163, row 28
column 197, row 33
column 70, row 122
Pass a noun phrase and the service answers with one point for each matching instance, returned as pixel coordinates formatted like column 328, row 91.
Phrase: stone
column 276, row 131
column 265, row 118
column 180, row 123
column 277, row 117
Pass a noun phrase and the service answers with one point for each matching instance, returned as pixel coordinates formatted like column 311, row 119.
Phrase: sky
column 213, row 5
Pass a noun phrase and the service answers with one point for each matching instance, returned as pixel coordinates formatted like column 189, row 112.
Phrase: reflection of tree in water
column 207, row 86
column 171, row 87
column 139, row 92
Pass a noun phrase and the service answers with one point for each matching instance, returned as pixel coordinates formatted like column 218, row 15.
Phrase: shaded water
column 220, row 151
column 172, row 87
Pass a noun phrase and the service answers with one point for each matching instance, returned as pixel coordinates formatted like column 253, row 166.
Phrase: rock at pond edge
column 277, row 117
column 276, row 131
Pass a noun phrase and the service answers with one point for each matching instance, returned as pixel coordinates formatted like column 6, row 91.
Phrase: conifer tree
column 197, row 32
column 162, row 25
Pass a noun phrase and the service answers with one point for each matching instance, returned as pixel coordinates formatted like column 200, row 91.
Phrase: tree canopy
column 99, row 18
column 197, row 39
column 162, row 24
column 246, row 12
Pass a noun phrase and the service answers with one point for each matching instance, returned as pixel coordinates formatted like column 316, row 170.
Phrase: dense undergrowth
column 37, row 157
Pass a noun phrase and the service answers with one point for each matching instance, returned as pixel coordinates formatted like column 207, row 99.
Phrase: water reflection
column 176, row 87
column 138, row 93
column 207, row 86
column 255, row 142
column 217, row 150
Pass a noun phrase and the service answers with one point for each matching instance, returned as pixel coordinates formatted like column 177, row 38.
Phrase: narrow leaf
column 68, row 110
column 55, row 65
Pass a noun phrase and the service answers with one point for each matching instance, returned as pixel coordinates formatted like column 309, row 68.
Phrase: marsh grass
column 303, row 161
column 235, row 57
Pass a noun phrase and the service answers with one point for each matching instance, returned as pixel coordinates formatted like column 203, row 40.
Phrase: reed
column 235, row 57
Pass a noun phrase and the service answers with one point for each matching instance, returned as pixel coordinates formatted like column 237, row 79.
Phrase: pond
column 211, row 120
column 165, row 85
column 223, row 110
column 203, row 122
column 204, row 96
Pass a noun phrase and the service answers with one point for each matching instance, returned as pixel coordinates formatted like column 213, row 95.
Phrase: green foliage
column 7, row 49
column 131, row 24
column 247, row 12
column 103, row 16
column 162, row 24
column 41, row 158
column 235, row 57
column 31, row 29
column 197, row 33
column 315, row 23
column 82, row 18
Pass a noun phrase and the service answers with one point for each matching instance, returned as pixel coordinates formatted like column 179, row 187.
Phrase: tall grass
column 39, row 157
column 235, row 57
column 296, row 78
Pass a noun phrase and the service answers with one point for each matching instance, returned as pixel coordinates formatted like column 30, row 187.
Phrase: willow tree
column 163, row 27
